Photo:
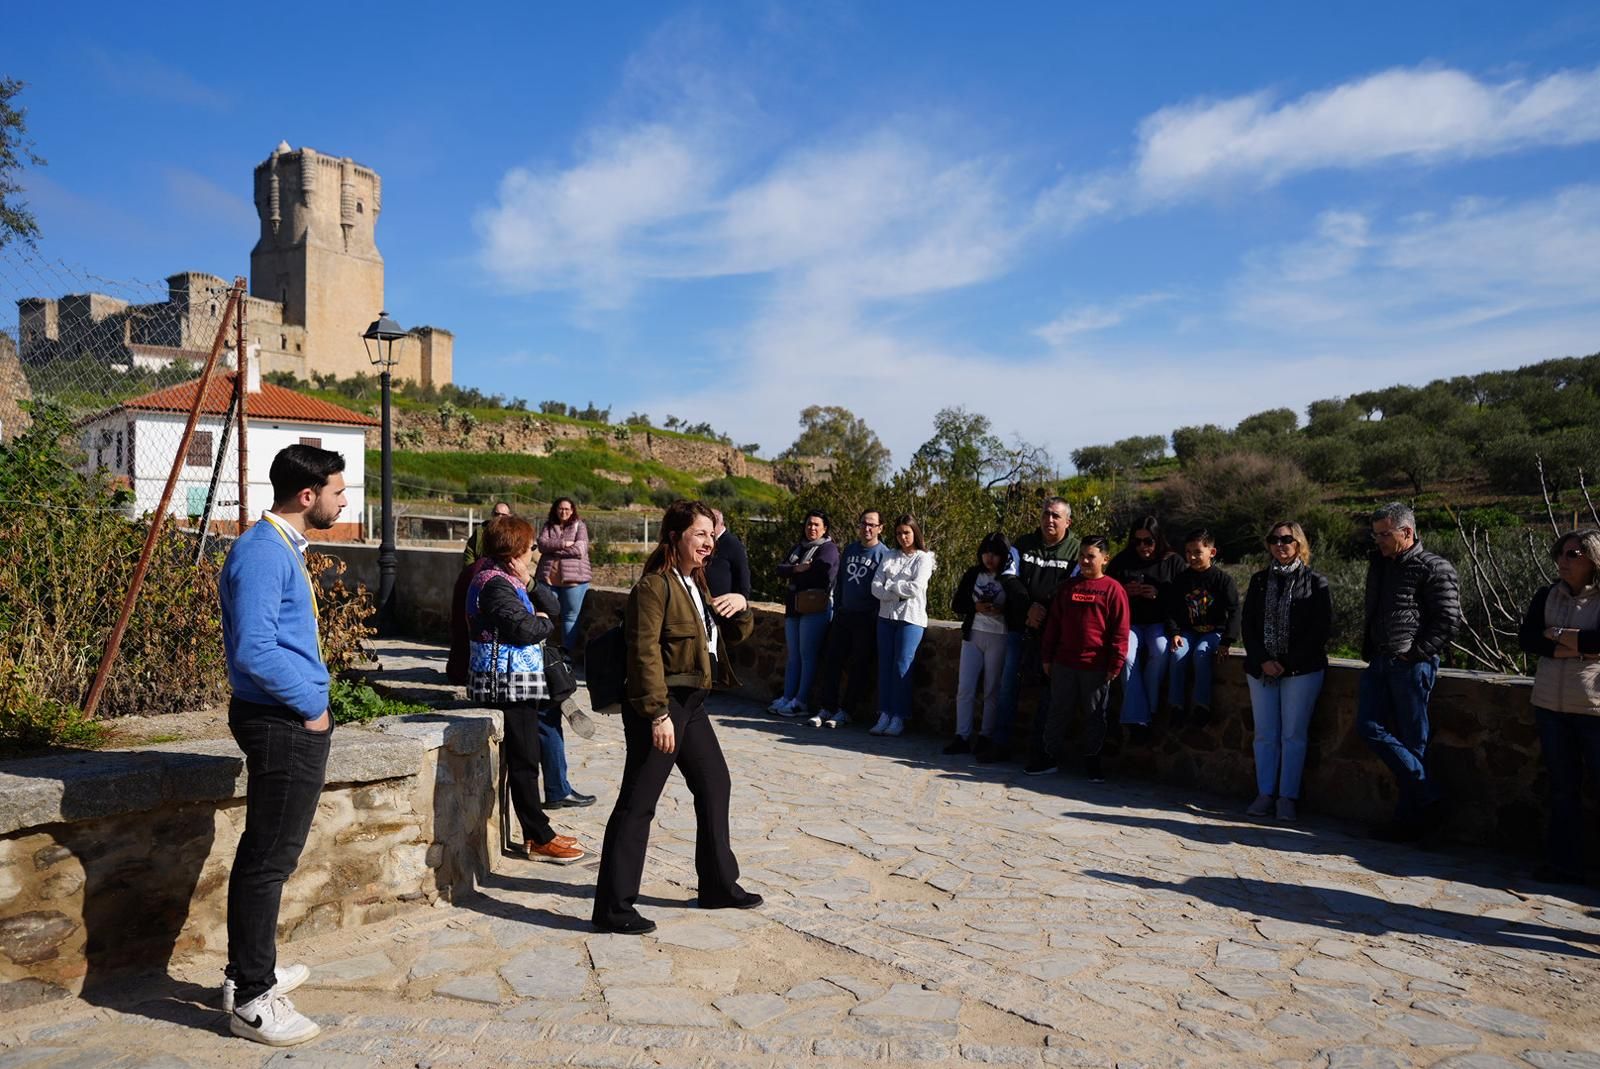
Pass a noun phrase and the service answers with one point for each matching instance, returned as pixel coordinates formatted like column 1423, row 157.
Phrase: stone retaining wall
column 1484, row 748
column 122, row 857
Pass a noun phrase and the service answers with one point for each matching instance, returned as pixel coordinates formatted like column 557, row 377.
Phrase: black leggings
column 519, row 749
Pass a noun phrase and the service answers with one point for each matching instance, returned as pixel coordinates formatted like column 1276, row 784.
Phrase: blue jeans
column 1282, row 709
column 1143, row 672
column 1567, row 742
column 897, row 649
column 571, row 598
column 1200, row 647
column 1392, row 717
column 553, row 753
column 1010, row 684
column 804, row 635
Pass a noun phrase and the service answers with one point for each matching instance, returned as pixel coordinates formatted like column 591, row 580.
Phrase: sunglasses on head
column 1282, row 540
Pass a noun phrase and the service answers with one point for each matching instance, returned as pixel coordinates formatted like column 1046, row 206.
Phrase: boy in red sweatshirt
column 1085, row 645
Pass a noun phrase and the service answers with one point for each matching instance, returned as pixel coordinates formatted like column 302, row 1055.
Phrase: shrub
column 357, row 703
column 1236, row 495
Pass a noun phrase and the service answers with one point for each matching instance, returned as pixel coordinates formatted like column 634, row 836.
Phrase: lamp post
column 379, row 339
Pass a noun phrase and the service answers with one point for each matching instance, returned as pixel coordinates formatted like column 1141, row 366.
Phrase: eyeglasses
column 1144, row 541
column 1575, row 553
column 866, row 523
column 1282, row 540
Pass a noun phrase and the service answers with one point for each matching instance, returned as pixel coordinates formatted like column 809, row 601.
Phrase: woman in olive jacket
column 676, row 651
column 1287, row 619
column 1562, row 628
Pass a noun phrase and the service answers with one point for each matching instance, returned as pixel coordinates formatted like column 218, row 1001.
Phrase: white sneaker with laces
column 896, row 726
column 881, row 726
column 273, row 1020
column 837, row 719
column 287, row 977
column 815, row 719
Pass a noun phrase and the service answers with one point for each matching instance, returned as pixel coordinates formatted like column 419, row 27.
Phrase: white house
column 137, row 440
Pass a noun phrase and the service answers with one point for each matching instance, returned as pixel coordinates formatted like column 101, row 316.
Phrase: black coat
column 1310, row 623
column 728, row 568
column 963, row 604
column 1416, row 610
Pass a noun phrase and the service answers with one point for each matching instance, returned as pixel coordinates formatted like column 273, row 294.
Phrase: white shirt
column 713, row 633
column 296, row 539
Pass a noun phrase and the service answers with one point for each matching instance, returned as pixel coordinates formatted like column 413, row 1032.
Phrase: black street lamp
column 380, row 339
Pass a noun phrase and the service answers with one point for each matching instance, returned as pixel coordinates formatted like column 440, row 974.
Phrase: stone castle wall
column 536, row 436
column 13, row 391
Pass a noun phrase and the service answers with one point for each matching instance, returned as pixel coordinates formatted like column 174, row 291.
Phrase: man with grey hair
column 1413, row 606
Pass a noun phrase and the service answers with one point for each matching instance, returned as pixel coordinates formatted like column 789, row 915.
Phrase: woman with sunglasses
column 1562, row 628
column 1145, row 568
column 1288, row 616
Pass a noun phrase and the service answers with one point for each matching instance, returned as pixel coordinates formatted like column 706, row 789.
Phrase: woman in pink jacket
column 564, row 563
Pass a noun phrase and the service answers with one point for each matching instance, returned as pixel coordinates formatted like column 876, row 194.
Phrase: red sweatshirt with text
column 1087, row 627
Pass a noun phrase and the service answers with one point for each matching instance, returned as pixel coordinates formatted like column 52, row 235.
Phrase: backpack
column 605, row 661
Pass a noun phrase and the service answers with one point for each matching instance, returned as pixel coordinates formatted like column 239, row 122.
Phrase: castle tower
column 318, row 253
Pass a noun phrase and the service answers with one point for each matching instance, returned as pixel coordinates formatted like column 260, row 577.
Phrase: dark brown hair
column 506, row 538
column 553, row 520
column 678, row 518
column 905, row 519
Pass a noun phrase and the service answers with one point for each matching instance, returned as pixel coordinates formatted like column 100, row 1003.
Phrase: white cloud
column 1087, row 318
column 1477, row 262
column 1415, row 115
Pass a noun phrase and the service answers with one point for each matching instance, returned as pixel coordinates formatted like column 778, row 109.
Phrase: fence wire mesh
column 97, row 379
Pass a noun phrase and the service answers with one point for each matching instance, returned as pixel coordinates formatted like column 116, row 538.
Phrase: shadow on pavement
column 1351, row 911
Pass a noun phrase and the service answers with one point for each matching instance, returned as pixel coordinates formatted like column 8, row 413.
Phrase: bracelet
column 659, row 719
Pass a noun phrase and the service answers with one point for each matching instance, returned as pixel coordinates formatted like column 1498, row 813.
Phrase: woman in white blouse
column 901, row 587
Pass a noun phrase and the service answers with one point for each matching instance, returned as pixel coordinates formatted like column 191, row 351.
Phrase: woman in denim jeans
column 1288, row 616
column 901, row 587
column 809, row 570
column 1145, row 568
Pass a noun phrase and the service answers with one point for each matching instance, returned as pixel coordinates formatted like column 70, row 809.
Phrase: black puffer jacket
column 1310, row 623
column 1413, row 605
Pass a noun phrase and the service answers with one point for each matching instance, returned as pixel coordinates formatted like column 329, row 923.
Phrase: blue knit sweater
column 269, row 627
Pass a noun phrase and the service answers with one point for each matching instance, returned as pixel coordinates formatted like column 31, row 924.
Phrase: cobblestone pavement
column 925, row 910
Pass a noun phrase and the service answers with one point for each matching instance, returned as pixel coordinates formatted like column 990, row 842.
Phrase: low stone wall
column 1484, row 747
column 121, row 857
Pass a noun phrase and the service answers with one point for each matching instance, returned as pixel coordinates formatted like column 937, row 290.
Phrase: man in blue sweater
column 279, row 717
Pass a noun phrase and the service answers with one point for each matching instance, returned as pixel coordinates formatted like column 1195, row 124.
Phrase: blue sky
column 1084, row 224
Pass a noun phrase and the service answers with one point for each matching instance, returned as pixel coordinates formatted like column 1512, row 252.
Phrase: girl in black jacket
column 1145, row 568
column 1288, row 616
column 991, row 602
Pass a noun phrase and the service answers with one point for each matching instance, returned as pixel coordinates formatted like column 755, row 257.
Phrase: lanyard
column 316, row 605
column 706, row 620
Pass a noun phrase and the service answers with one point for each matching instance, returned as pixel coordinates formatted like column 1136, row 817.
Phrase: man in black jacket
column 1413, row 605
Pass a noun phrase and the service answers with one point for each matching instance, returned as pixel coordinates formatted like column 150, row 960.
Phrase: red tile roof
column 271, row 403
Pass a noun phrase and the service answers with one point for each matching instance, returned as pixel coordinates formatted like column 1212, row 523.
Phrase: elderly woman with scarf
column 508, row 626
column 1288, row 616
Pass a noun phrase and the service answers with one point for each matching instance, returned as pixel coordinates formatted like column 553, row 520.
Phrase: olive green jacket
column 667, row 643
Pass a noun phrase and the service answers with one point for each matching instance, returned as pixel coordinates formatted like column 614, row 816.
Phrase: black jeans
column 1567, row 742
column 286, row 766
column 852, row 647
column 644, row 775
column 519, row 749
column 1073, row 690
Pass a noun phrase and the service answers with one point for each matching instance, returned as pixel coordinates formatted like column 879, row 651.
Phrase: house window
column 314, row 443
column 199, row 450
column 283, row 342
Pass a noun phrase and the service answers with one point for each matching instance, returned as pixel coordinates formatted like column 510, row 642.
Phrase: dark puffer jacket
column 1413, row 605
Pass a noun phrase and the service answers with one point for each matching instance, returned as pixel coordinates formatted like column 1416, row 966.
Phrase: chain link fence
column 103, row 427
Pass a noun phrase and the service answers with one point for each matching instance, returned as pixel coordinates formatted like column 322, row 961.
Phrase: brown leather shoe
column 562, row 853
column 564, row 840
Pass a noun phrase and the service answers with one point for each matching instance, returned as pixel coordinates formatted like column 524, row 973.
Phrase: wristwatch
column 659, row 719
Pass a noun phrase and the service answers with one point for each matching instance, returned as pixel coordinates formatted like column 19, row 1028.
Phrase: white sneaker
column 288, row 978
column 273, row 1020
column 815, row 719
column 896, row 726
column 779, row 707
column 881, row 726
column 837, row 719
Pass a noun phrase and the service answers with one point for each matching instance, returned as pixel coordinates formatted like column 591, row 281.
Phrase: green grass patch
column 357, row 703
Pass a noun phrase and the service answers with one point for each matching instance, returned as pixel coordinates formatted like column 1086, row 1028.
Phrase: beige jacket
column 1570, row 684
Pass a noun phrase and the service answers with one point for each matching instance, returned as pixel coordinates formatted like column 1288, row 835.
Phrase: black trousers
column 852, row 647
column 286, row 766
column 644, row 775
column 519, row 750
